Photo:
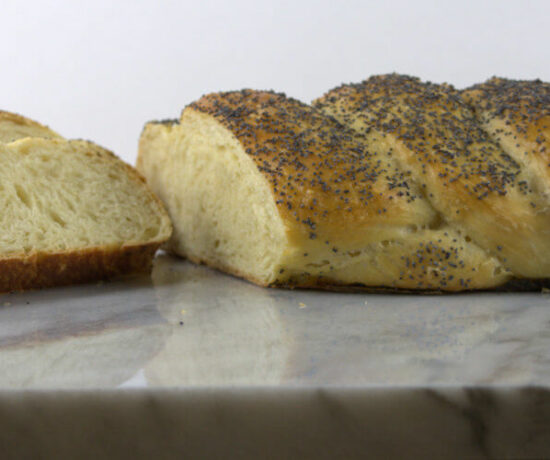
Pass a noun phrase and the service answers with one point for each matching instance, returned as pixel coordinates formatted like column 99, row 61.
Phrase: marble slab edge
column 271, row 422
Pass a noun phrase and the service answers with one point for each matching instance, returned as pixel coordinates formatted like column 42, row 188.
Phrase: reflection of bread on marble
column 89, row 361
column 71, row 339
column 223, row 331
column 271, row 189
column 388, row 341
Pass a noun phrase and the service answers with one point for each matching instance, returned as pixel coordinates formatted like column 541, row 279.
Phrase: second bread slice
column 73, row 212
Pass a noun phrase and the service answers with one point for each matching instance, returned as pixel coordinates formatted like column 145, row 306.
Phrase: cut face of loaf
column 270, row 189
column 479, row 189
column 72, row 212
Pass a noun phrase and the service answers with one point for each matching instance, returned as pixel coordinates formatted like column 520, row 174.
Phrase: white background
column 100, row 69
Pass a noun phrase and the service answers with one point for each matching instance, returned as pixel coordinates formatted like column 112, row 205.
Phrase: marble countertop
column 449, row 376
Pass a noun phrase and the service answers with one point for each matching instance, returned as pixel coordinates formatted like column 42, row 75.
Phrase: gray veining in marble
column 292, row 423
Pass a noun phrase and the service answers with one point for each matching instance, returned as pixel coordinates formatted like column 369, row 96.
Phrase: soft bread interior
column 59, row 195
column 220, row 203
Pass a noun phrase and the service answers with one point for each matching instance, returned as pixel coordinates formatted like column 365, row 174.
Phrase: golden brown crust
column 467, row 176
column 338, row 190
column 14, row 126
column 39, row 270
column 431, row 122
column 335, row 182
column 21, row 120
column 44, row 269
column 325, row 178
column 516, row 113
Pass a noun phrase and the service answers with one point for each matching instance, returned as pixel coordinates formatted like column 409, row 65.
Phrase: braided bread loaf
column 390, row 183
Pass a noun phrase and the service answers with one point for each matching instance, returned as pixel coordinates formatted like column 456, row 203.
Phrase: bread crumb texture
column 72, row 211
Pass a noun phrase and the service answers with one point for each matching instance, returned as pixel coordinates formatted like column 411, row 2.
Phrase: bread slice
column 14, row 126
column 73, row 212
column 516, row 115
column 477, row 188
column 271, row 189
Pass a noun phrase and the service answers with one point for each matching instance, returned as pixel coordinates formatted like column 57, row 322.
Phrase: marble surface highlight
column 191, row 326
column 193, row 360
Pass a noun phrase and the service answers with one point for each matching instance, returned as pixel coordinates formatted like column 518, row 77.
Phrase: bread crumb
column 183, row 312
column 7, row 304
column 366, row 302
column 302, row 305
column 545, row 290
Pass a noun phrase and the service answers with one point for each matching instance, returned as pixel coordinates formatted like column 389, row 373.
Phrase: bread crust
column 314, row 163
column 433, row 126
column 336, row 188
column 476, row 186
column 323, row 284
column 40, row 270
column 14, row 126
column 516, row 114
column 339, row 196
